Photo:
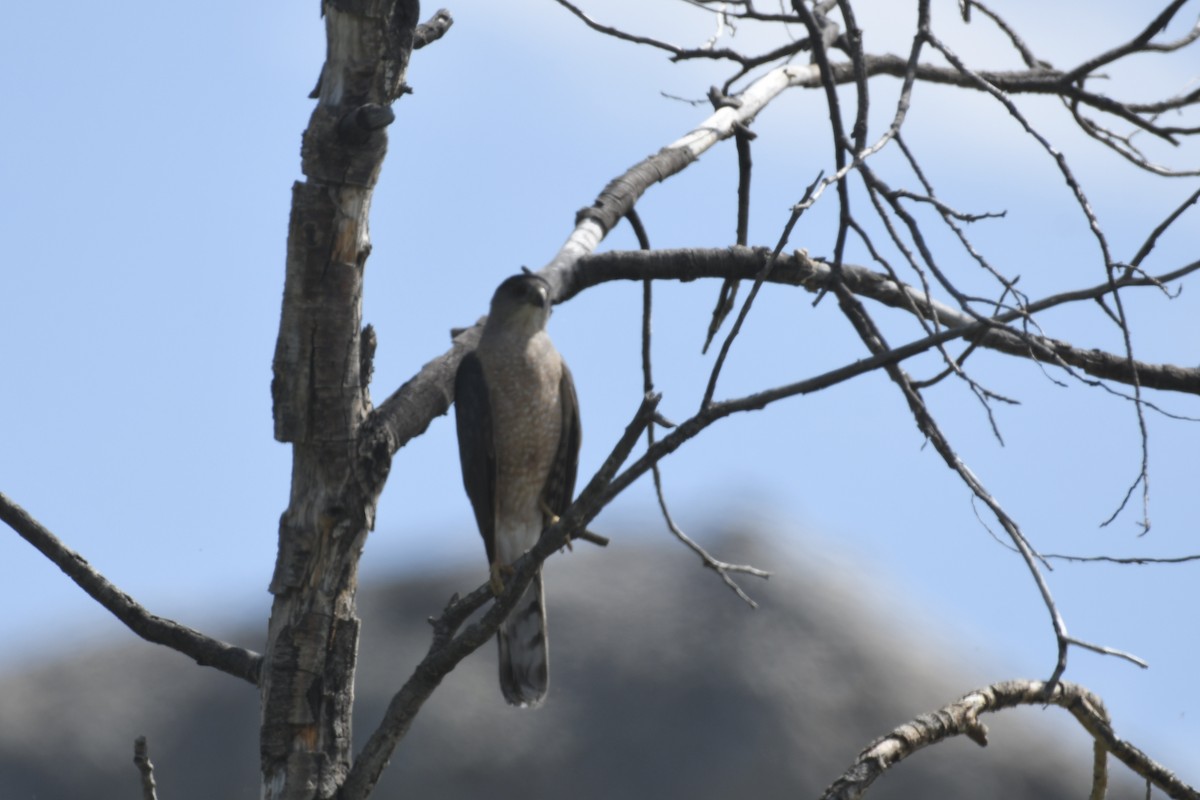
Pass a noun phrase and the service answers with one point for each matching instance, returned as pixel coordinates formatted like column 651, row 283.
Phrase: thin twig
column 759, row 279
column 722, row 568
column 1138, row 44
column 1121, row 560
column 1108, row 651
column 729, row 287
column 617, row 33
column 1014, row 38
column 1151, row 240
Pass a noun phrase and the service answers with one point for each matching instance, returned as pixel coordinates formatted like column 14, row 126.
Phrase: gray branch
column 797, row 269
column 205, row 650
column 429, row 32
column 141, row 757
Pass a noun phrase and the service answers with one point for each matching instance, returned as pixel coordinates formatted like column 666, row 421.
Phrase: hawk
column 518, row 441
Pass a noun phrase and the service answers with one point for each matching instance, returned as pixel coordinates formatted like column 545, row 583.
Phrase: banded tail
column 524, row 654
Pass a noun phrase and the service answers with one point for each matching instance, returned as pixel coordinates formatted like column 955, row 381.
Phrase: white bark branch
column 963, row 718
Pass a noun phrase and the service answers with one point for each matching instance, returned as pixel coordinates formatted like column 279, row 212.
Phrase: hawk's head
column 521, row 304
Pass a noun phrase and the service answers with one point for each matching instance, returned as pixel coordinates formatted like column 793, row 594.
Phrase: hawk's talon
column 494, row 580
column 553, row 519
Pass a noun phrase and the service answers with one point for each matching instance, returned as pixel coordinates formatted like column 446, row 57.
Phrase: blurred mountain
column 663, row 684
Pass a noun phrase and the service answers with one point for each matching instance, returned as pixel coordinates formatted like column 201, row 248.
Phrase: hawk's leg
column 494, row 580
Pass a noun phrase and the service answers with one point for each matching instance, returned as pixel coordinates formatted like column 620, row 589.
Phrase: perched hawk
column 518, row 440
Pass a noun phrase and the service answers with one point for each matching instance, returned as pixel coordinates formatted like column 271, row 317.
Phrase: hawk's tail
column 524, row 655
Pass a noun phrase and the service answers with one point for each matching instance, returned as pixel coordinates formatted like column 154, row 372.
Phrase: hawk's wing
column 560, row 483
column 476, row 446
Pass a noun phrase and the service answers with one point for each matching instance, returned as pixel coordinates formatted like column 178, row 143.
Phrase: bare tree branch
column 141, row 757
column 1116, row 560
column 429, row 32
column 962, row 718
column 762, row 275
column 407, row 413
column 1138, row 44
column 728, row 293
column 798, row 269
column 204, row 650
column 617, row 33
column 721, row 568
column 594, row 222
column 706, row 51
column 1018, row 43
column 1152, row 240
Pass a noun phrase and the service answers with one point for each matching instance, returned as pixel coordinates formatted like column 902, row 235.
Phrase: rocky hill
column 663, row 685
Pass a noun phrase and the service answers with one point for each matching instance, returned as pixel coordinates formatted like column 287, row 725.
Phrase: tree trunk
column 320, row 397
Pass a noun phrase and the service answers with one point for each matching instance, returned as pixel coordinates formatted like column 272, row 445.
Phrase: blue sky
column 148, row 158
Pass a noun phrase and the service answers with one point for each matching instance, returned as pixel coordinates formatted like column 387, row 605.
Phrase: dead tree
column 343, row 445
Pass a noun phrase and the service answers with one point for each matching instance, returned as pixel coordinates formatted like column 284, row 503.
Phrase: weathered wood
column 320, row 401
